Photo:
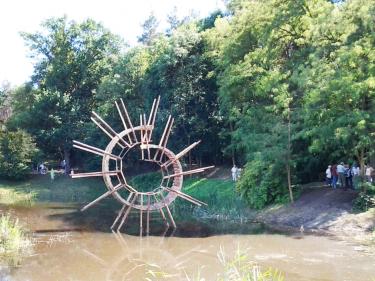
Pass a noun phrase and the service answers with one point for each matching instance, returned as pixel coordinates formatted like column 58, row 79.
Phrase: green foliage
column 146, row 182
column 13, row 241
column 261, row 184
column 71, row 60
column 220, row 195
column 285, row 86
column 366, row 198
column 16, row 152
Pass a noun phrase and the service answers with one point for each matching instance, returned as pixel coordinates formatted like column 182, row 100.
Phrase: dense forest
column 280, row 87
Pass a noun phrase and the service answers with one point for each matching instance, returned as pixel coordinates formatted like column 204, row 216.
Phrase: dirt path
column 323, row 209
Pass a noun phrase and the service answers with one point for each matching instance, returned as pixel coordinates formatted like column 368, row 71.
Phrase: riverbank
column 323, row 210
column 319, row 209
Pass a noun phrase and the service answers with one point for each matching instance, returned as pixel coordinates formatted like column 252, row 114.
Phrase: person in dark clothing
column 348, row 177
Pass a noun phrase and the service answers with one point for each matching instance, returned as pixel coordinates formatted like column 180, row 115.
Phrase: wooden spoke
column 94, row 150
column 161, row 212
column 104, row 195
column 148, row 214
column 164, row 138
column 152, row 117
column 108, row 129
column 126, row 121
column 95, row 174
column 189, row 172
column 180, row 154
column 186, row 196
column 127, row 212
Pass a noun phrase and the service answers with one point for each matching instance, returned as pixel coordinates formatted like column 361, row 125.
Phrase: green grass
column 9, row 196
column 220, row 195
column 41, row 188
column 14, row 242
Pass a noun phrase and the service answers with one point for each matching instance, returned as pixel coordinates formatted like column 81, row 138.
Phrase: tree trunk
column 288, row 160
column 231, row 141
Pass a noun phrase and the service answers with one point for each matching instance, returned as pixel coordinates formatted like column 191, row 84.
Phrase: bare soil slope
column 326, row 210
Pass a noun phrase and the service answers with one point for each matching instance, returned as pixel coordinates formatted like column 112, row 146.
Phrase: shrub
column 366, row 198
column 13, row 240
column 262, row 183
column 16, row 152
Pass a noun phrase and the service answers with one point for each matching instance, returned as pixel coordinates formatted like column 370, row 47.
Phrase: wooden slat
column 189, row 172
column 95, row 174
column 94, row 150
column 180, row 154
column 107, row 129
column 186, row 196
column 101, row 197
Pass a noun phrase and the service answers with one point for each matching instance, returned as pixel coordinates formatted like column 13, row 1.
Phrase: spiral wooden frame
column 139, row 138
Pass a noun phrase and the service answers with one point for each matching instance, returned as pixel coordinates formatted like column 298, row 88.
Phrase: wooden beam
column 123, row 122
column 95, row 174
column 127, row 119
column 188, row 172
column 108, row 130
column 127, row 212
column 94, row 150
column 186, row 196
column 180, row 154
column 121, row 211
column 164, row 137
column 162, row 212
column 148, row 214
column 104, row 195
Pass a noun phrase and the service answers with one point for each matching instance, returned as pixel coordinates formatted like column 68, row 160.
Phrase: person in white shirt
column 341, row 172
column 234, row 173
column 328, row 176
column 355, row 173
column 368, row 173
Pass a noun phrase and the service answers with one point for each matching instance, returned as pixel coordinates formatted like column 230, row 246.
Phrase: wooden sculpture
column 140, row 138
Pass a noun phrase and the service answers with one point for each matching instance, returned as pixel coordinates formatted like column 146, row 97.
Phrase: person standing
column 348, row 177
column 334, row 176
column 52, row 173
column 329, row 176
column 234, row 173
column 341, row 173
column 368, row 173
column 355, row 172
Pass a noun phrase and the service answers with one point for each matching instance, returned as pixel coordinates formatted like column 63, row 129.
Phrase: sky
column 122, row 17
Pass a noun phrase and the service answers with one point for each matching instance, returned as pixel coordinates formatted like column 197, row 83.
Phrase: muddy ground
column 325, row 210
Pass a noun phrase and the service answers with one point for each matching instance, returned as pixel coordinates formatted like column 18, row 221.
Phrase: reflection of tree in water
column 133, row 261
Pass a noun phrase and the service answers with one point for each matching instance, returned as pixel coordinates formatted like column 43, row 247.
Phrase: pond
column 71, row 245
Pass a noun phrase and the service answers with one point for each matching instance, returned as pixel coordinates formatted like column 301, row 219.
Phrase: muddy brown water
column 71, row 245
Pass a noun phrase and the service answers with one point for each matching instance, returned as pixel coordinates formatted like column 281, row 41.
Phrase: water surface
column 78, row 246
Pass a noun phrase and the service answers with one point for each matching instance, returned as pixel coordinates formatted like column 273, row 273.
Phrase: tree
column 339, row 105
column 72, row 58
column 149, row 27
column 16, row 152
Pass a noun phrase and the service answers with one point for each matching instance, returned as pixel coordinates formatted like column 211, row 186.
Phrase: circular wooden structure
column 139, row 138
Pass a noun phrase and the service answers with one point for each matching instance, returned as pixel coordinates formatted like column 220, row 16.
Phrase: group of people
column 42, row 169
column 345, row 175
column 236, row 173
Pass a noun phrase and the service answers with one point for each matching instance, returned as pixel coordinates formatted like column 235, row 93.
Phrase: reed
column 14, row 242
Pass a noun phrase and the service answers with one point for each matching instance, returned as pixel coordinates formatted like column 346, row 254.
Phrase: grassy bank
column 220, row 195
column 41, row 188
